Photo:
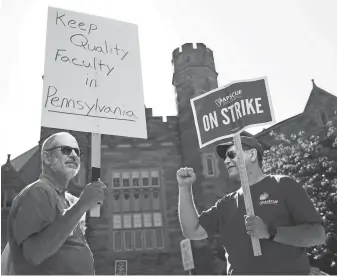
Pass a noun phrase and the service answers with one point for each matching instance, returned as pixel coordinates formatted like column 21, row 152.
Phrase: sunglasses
column 66, row 150
column 231, row 154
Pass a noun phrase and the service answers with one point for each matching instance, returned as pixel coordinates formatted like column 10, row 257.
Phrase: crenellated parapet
column 190, row 56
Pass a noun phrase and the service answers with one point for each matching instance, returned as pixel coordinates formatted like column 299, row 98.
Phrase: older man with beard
column 286, row 221
column 44, row 230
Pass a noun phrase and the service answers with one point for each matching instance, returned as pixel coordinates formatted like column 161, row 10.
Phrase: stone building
column 320, row 108
column 139, row 218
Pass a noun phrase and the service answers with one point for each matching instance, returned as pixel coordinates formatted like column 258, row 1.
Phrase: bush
column 311, row 160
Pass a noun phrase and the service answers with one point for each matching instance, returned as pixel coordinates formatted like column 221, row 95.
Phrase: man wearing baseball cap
column 285, row 221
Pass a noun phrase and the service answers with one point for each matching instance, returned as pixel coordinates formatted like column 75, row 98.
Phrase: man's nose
column 227, row 162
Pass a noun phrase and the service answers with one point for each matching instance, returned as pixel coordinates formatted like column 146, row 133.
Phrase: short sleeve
column 34, row 214
column 301, row 208
column 73, row 200
column 210, row 219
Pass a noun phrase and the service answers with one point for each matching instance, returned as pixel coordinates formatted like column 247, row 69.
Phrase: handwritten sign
column 229, row 110
column 92, row 78
column 121, row 267
column 186, row 254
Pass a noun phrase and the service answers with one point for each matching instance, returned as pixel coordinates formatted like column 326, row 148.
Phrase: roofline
column 277, row 125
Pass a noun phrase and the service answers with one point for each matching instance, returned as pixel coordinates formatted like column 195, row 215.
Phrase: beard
column 58, row 168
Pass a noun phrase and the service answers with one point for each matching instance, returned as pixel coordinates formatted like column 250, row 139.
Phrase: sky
column 289, row 41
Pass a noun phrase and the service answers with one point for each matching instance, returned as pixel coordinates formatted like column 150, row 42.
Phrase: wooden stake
column 246, row 189
column 95, row 166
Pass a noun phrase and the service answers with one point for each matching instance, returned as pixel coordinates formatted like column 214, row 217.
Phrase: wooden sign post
column 246, row 189
column 95, row 167
column 227, row 111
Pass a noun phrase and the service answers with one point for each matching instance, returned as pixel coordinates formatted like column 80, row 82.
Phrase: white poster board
column 92, row 79
column 186, row 254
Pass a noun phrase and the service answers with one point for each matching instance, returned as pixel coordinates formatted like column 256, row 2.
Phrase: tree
column 311, row 159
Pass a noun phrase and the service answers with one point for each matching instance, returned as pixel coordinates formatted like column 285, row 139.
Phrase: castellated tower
column 195, row 74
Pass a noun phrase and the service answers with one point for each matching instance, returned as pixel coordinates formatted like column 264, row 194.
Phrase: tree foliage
column 311, row 158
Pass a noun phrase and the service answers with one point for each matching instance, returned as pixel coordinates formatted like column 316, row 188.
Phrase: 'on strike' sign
column 229, row 110
column 92, row 79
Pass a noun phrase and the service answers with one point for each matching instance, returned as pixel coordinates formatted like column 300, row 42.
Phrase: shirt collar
column 53, row 182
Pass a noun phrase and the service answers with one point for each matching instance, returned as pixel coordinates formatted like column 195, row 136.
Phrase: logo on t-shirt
column 264, row 201
column 264, row 196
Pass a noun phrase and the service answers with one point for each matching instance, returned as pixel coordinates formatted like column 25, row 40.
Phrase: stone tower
column 194, row 74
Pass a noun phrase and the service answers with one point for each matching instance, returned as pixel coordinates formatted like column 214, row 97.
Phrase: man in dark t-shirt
column 285, row 220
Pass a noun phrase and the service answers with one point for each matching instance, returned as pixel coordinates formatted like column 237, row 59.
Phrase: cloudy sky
column 290, row 42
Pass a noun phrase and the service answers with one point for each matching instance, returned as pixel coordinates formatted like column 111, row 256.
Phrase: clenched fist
column 185, row 177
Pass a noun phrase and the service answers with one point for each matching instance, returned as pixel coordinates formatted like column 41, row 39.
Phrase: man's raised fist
column 185, row 177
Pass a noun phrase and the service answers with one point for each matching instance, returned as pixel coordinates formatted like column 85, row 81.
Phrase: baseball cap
column 221, row 149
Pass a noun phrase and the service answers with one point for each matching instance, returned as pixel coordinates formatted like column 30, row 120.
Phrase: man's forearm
column 304, row 235
column 188, row 216
column 42, row 245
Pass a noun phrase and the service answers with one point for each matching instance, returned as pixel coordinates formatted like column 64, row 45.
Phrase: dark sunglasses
column 66, row 150
column 231, row 154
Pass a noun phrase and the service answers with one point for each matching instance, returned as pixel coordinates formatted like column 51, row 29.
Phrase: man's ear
column 46, row 158
column 253, row 156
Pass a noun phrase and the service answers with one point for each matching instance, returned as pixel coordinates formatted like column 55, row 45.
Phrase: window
column 117, row 241
column 323, row 117
column 117, row 221
column 154, row 178
column 147, row 220
column 145, row 179
column 210, row 165
column 116, row 180
column 138, row 239
column 128, row 240
column 137, row 219
column 157, row 219
column 159, row 238
column 126, row 180
column 135, row 179
column 149, row 239
column 127, row 221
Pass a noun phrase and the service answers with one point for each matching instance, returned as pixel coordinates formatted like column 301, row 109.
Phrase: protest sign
column 231, row 109
column 226, row 112
column 121, row 267
column 92, row 79
column 186, row 254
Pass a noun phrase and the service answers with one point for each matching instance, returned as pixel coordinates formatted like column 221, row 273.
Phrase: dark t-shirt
column 279, row 201
column 36, row 207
